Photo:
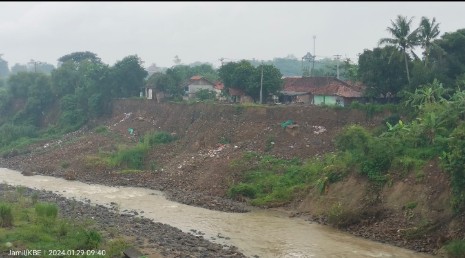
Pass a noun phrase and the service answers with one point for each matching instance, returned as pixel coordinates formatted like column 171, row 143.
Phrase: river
column 259, row 232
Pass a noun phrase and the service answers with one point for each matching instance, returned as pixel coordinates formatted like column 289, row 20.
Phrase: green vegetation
column 28, row 224
column 6, row 217
column 131, row 159
column 270, row 181
column 394, row 151
column 455, row 248
column 244, row 76
column 81, row 88
column 205, row 95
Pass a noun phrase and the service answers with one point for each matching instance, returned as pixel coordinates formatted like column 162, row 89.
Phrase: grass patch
column 270, row 181
column 6, row 216
column 129, row 158
column 404, row 165
column 455, row 249
column 94, row 162
column 38, row 226
column 101, row 129
column 156, row 138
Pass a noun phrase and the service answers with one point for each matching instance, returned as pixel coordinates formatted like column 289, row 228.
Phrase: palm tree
column 426, row 33
column 402, row 38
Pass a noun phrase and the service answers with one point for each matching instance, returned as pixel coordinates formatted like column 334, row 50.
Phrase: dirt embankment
column 195, row 169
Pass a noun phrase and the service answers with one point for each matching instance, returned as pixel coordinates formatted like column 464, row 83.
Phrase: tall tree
column 245, row 76
column 178, row 75
column 78, row 57
column 448, row 57
column 65, row 79
column 4, row 70
column 128, row 77
column 403, row 38
column 272, row 82
column 206, row 70
column 226, row 73
column 381, row 70
column 161, row 82
column 428, row 31
column 20, row 83
column 18, row 68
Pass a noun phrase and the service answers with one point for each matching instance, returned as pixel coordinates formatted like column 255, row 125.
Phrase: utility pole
column 35, row 64
column 337, row 65
column 314, row 55
column 261, row 86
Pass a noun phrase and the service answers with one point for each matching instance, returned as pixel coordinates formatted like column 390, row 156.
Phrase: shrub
column 10, row 133
column 454, row 162
column 156, row 138
column 355, row 139
column 87, row 239
column 455, row 249
column 205, row 94
column 101, row 129
column 46, row 210
column 224, row 140
column 132, row 158
column 6, row 215
column 242, row 189
column 392, row 119
column 93, row 239
column 405, row 164
column 116, row 247
column 34, row 198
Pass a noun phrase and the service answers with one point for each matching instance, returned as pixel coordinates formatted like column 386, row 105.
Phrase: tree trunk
column 406, row 67
column 427, row 55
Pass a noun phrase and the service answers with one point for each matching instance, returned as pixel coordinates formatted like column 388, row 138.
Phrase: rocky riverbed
column 153, row 238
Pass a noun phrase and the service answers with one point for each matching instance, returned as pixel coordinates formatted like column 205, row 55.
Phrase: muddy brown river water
column 259, row 232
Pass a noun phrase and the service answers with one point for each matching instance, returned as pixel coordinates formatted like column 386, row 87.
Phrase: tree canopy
column 78, row 57
column 4, row 70
column 382, row 71
column 244, row 76
column 128, row 77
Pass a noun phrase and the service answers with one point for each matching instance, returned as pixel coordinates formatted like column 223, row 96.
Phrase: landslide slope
column 195, row 169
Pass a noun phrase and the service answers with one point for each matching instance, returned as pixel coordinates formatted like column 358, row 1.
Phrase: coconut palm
column 427, row 31
column 403, row 38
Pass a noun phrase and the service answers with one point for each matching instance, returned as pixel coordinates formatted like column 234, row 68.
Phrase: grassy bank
column 27, row 224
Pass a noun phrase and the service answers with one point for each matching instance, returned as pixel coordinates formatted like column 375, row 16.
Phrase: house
column 149, row 92
column 197, row 83
column 239, row 96
column 334, row 94
column 319, row 91
column 219, row 88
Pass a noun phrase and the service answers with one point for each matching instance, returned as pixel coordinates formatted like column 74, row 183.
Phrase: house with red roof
column 319, row 91
column 197, row 83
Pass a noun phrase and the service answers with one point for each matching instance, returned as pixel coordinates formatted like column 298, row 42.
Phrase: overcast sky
column 205, row 31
